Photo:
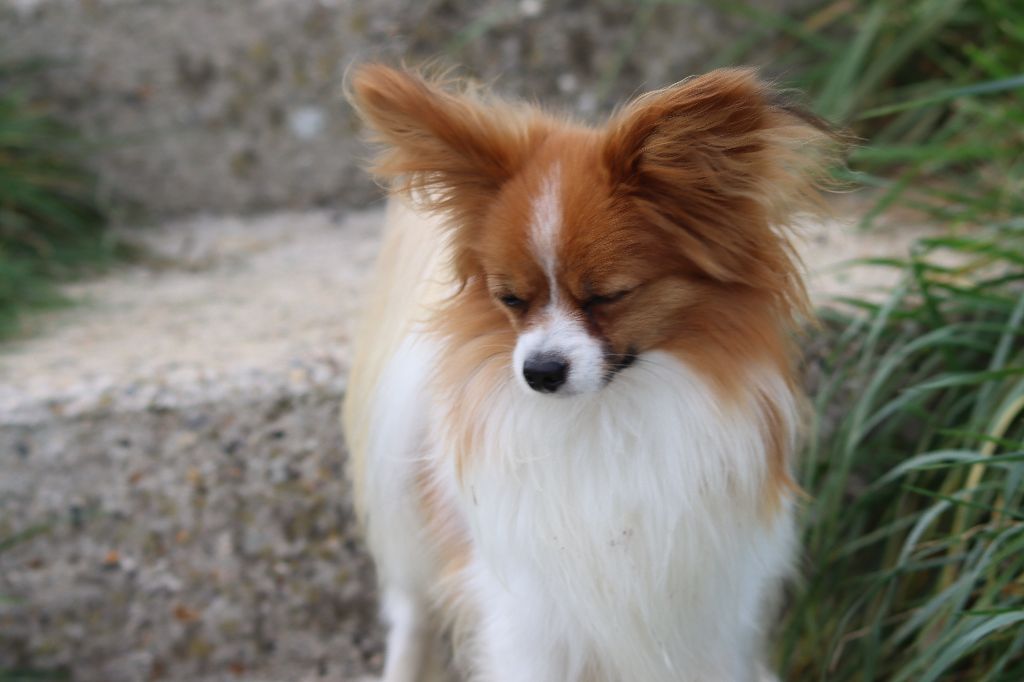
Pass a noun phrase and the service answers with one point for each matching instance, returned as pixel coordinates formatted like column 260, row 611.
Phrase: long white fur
column 622, row 534
column 617, row 535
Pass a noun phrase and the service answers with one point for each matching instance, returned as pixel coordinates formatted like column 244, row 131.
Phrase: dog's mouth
column 617, row 362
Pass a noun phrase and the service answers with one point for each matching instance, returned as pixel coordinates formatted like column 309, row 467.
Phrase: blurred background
column 185, row 228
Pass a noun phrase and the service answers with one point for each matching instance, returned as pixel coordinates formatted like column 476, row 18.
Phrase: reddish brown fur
column 681, row 200
column 447, row 533
column 454, row 152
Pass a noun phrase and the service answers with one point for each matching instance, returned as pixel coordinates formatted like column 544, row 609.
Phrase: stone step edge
column 186, row 389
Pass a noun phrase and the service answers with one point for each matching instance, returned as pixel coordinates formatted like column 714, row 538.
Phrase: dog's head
column 658, row 230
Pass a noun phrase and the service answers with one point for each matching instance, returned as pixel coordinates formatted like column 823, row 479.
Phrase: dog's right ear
column 452, row 150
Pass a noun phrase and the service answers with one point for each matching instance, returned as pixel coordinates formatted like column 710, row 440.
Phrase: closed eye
column 512, row 301
column 606, row 298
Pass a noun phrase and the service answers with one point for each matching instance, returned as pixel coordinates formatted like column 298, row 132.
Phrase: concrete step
column 177, row 433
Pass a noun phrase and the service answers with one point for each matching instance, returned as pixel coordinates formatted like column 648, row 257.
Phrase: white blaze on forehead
column 545, row 226
column 559, row 331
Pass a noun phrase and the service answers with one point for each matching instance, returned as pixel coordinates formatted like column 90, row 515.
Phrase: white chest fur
column 622, row 536
column 614, row 537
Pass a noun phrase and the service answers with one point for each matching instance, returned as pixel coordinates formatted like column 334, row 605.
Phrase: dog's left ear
column 720, row 160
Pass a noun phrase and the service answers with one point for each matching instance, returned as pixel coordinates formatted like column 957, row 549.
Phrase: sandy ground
column 214, row 302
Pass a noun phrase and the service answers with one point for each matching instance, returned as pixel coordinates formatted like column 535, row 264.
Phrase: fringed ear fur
column 721, row 161
column 451, row 152
column 724, row 162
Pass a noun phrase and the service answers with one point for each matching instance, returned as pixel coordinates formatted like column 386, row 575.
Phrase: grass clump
column 52, row 225
column 933, row 86
column 915, row 536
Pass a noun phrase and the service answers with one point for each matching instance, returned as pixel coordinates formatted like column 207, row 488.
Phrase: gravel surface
column 177, row 431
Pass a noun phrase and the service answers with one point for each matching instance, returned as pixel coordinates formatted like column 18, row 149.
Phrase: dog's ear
column 722, row 161
column 452, row 151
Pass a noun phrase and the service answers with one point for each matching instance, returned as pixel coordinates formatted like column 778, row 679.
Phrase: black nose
column 545, row 373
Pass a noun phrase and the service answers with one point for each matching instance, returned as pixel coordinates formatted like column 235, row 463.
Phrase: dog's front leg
column 518, row 640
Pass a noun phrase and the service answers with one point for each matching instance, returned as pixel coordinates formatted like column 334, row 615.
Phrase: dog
column 573, row 404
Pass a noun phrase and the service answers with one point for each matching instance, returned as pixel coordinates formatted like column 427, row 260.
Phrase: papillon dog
column 573, row 404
